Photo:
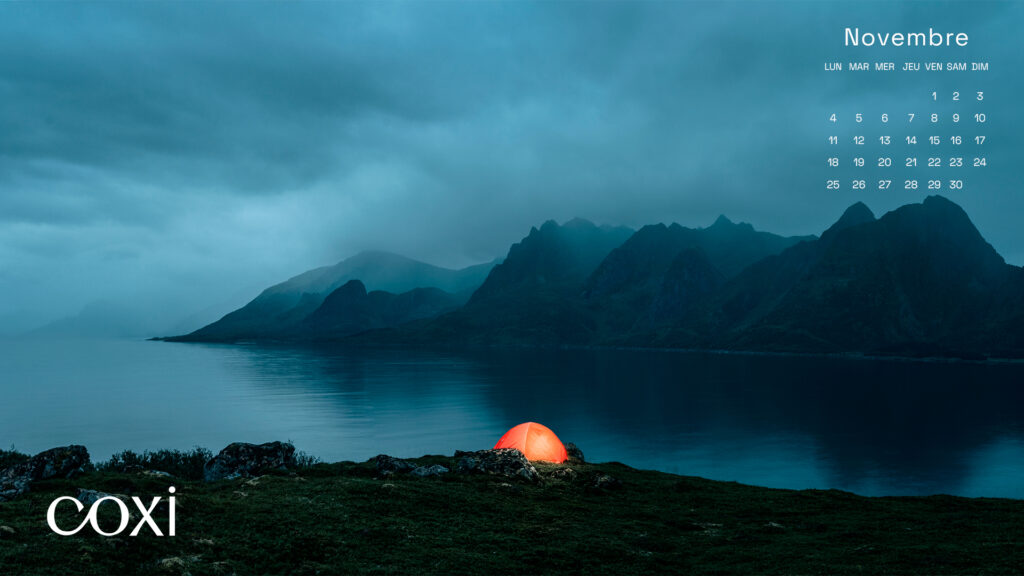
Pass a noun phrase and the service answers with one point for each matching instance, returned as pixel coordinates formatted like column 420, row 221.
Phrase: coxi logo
column 92, row 517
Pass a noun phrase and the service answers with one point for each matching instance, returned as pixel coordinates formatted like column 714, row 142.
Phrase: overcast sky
column 173, row 156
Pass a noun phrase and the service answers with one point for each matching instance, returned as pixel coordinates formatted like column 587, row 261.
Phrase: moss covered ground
column 338, row 519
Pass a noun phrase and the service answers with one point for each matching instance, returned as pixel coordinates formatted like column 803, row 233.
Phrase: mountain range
column 918, row 281
column 283, row 310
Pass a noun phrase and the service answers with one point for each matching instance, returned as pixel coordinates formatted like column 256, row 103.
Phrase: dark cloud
column 168, row 153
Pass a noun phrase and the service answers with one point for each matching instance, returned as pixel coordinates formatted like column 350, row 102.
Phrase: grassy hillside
column 338, row 518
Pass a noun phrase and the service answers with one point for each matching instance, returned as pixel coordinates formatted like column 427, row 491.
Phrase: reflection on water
column 872, row 427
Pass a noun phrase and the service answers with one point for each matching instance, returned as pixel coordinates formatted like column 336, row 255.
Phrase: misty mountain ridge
column 661, row 269
column 532, row 296
column 276, row 311
column 350, row 309
column 918, row 281
column 552, row 255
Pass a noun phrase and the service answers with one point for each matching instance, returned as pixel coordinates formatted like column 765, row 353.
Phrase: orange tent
column 536, row 441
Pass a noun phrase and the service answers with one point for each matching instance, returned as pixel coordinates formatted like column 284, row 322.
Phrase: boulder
column 61, row 462
column 605, row 482
column 508, row 462
column 575, row 454
column 563, row 473
column 387, row 465
column 242, row 460
column 176, row 564
column 424, row 471
column 90, row 497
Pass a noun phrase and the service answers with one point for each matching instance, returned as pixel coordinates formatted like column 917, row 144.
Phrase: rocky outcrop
column 243, row 459
column 575, row 454
column 424, row 471
column 89, row 497
column 60, row 462
column 564, row 473
column 507, row 462
column 388, row 465
column 603, row 482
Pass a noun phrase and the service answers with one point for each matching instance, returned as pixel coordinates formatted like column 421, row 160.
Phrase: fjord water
column 873, row 427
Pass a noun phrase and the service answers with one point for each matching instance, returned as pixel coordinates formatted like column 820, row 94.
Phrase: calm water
column 871, row 427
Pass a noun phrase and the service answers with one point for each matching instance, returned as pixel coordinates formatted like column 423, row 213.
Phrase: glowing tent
column 535, row 441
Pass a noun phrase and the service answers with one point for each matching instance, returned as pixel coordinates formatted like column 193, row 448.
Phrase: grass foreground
column 340, row 518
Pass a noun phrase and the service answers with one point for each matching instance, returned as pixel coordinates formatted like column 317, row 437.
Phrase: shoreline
column 347, row 343
column 129, row 460
column 350, row 517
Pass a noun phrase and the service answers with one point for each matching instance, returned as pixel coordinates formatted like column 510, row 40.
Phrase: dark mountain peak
column 855, row 215
column 722, row 222
column 546, row 227
column 352, row 293
column 723, row 225
column 552, row 228
column 920, row 275
column 656, row 230
column 939, row 202
column 572, row 230
column 553, row 254
column 350, row 289
column 937, row 216
column 941, row 210
column 639, row 265
column 351, row 310
column 943, row 229
column 933, row 207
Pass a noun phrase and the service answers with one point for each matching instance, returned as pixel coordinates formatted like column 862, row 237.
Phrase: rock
column 156, row 474
column 243, row 459
column 563, row 473
column 606, row 482
column 60, row 462
column 6, row 531
column 90, row 497
column 424, row 471
column 387, row 465
column 171, row 563
column 507, row 462
column 575, row 454
column 12, row 488
column 176, row 564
